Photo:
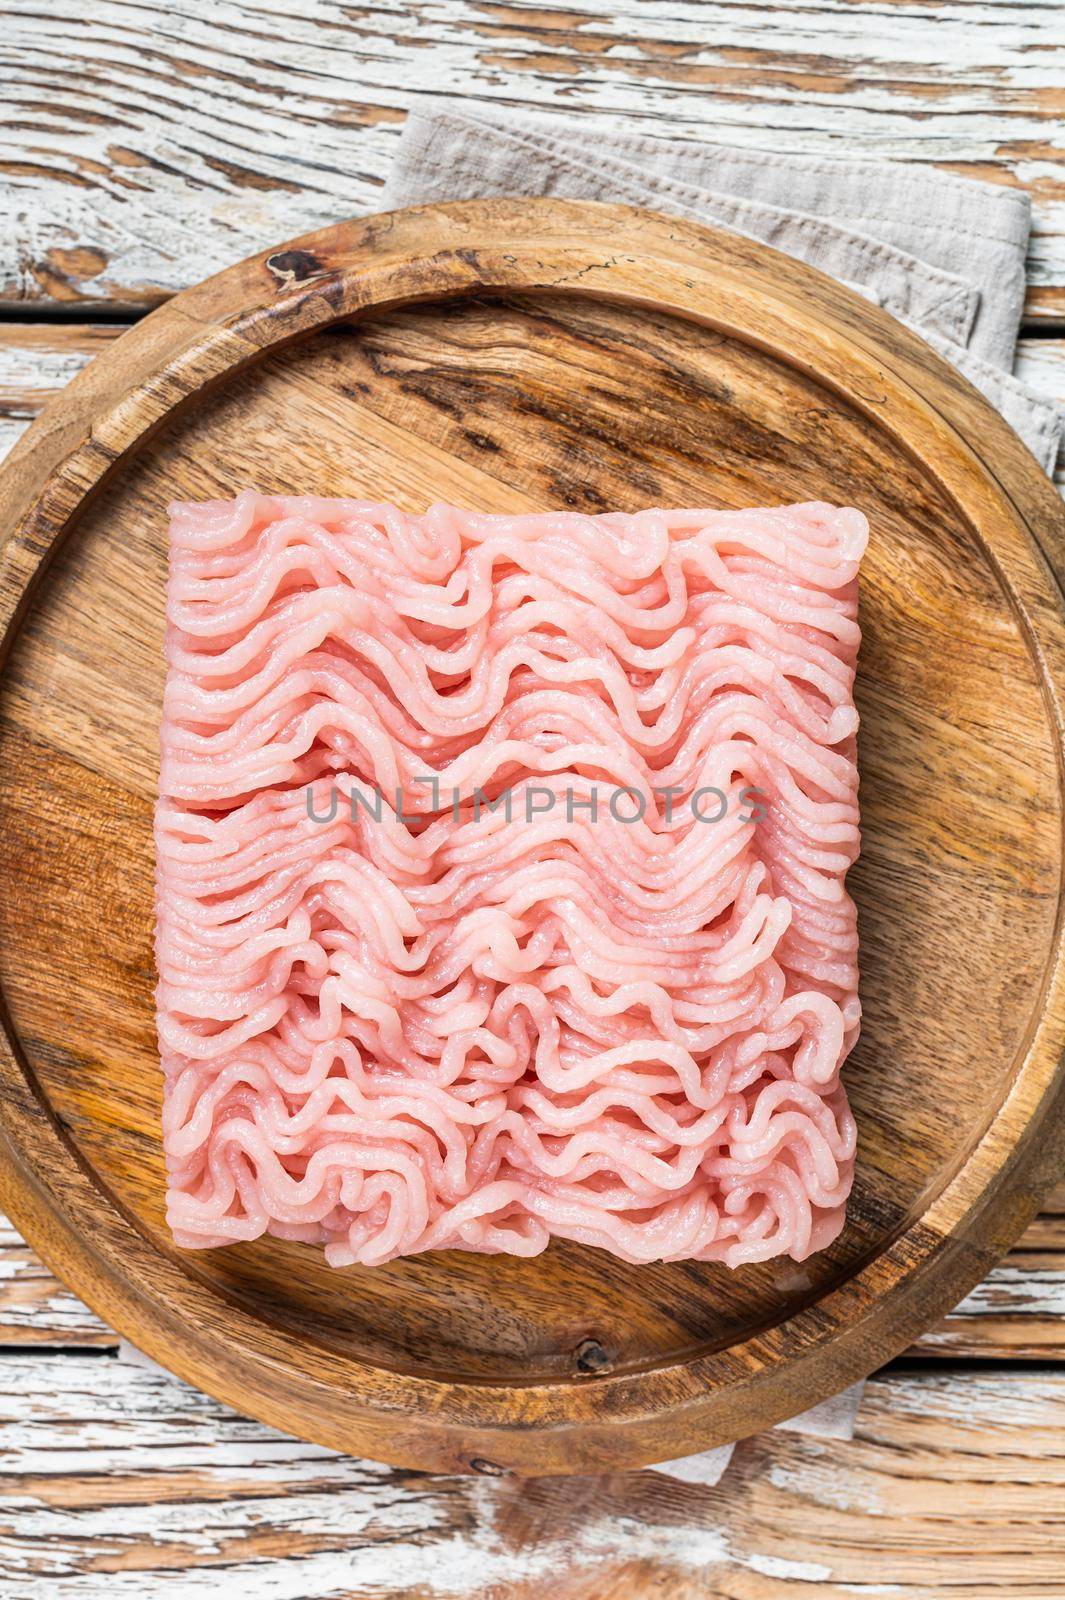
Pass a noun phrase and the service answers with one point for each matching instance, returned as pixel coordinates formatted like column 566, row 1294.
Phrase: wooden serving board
column 511, row 355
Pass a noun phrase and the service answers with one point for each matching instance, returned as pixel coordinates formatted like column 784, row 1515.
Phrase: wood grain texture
column 475, row 399
column 150, row 143
column 119, row 1484
column 36, row 1309
column 38, row 360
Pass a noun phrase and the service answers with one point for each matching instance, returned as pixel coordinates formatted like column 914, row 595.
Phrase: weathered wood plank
column 35, row 1309
column 117, row 1483
column 1019, row 1310
column 156, row 142
column 36, row 362
column 1041, row 362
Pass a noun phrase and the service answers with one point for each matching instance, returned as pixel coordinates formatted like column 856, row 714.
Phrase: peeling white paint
column 1017, row 1292
column 1041, row 363
column 395, row 1528
column 31, row 1300
column 30, row 374
column 188, row 1493
column 778, row 1567
column 823, row 1482
column 1021, row 1400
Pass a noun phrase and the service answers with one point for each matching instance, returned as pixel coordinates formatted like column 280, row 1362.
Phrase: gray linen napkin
column 945, row 255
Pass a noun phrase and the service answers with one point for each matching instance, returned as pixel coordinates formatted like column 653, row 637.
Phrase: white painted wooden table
column 147, row 144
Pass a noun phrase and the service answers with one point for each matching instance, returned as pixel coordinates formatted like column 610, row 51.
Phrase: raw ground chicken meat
column 451, row 1030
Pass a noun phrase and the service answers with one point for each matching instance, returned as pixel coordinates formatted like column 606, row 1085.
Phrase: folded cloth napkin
column 945, row 255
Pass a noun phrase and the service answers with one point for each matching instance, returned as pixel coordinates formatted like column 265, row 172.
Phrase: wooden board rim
column 741, row 288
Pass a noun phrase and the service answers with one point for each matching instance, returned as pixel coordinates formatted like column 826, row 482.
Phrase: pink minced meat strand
column 394, row 1019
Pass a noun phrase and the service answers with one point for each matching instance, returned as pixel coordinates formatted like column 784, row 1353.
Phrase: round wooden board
column 508, row 355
